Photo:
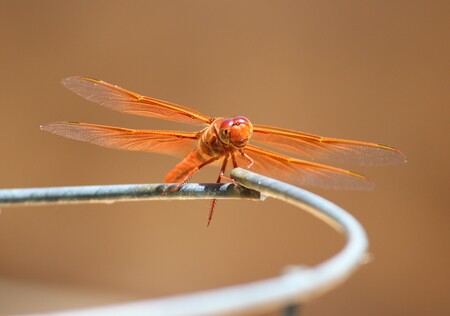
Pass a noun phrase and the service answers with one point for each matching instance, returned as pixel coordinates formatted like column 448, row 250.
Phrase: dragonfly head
column 236, row 131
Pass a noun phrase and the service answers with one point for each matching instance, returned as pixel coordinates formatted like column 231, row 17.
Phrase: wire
column 122, row 192
column 296, row 285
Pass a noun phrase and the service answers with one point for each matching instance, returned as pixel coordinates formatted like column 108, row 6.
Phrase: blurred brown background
column 366, row 70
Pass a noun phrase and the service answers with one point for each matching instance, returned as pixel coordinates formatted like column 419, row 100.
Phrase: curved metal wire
column 122, row 192
column 296, row 285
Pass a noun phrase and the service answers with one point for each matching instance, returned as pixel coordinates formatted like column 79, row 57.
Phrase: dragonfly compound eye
column 241, row 131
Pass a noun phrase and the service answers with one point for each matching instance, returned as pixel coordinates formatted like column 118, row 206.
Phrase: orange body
column 223, row 138
column 230, row 139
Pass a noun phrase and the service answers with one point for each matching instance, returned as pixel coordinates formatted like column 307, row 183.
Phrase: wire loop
column 298, row 284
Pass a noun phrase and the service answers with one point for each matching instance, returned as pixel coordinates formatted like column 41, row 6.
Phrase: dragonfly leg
column 248, row 158
column 219, row 179
column 222, row 175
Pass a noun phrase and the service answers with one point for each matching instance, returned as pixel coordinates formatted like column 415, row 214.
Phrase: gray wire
column 123, row 192
column 296, row 285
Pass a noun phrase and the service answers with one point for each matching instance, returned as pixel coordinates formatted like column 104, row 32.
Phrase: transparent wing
column 313, row 147
column 300, row 172
column 122, row 100
column 165, row 142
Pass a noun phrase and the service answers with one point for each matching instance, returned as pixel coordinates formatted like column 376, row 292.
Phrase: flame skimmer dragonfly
column 227, row 139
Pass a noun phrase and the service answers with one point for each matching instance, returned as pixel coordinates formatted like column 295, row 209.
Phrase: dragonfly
column 224, row 141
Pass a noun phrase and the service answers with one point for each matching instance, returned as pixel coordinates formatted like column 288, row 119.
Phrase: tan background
column 367, row 70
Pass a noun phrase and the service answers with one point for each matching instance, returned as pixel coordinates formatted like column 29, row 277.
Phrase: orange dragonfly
column 229, row 140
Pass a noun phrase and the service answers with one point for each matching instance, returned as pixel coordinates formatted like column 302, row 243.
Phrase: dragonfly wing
column 300, row 172
column 122, row 100
column 313, row 147
column 173, row 143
